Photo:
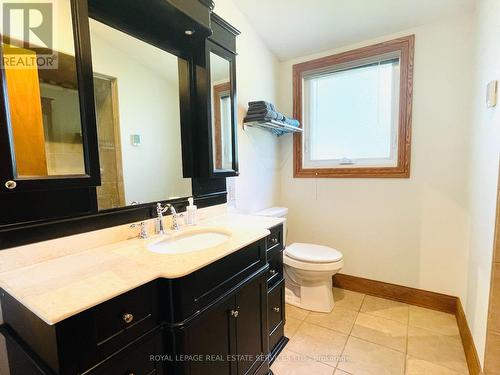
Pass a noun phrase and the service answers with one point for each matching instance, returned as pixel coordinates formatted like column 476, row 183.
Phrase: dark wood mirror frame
column 214, row 171
column 223, row 43
column 83, row 61
column 47, row 211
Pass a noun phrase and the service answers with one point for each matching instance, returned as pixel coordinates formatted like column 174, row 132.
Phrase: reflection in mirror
column 220, row 73
column 136, row 88
column 43, row 99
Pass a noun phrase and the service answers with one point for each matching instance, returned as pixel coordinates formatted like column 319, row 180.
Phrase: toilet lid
column 307, row 252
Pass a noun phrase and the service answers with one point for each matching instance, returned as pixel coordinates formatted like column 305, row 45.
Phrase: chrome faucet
column 143, row 232
column 159, row 228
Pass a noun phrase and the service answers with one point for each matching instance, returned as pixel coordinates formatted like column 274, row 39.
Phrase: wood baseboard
column 417, row 297
column 467, row 341
column 412, row 296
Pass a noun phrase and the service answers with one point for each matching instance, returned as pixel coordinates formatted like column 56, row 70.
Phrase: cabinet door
column 251, row 325
column 210, row 341
column 48, row 133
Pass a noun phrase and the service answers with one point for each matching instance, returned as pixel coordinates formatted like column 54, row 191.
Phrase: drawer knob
column 277, row 309
column 10, row 184
column 128, row 318
column 272, row 272
column 274, row 241
column 235, row 313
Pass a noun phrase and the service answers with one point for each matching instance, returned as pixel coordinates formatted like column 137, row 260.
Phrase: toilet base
column 314, row 297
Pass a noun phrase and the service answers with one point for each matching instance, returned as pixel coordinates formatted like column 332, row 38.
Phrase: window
column 355, row 110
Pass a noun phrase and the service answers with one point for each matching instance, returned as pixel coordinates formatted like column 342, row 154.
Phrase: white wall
column 483, row 177
column 256, row 68
column 148, row 106
column 414, row 231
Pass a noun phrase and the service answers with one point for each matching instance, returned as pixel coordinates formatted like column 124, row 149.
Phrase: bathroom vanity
column 140, row 112
column 226, row 317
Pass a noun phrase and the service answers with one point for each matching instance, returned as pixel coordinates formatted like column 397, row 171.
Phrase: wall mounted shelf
column 276, row 127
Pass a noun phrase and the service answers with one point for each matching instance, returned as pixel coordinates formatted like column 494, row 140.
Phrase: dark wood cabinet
column 221, row 319
column 215, row 80
column 213, row 339
column 234, row 338
column 251, row 326
column 276, row 292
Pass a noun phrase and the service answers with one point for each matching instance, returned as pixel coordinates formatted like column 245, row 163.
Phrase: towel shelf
column 277, row 127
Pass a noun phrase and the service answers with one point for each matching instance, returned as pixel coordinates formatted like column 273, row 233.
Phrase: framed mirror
column 47, row 119
column 136, row 89
column 221, row 66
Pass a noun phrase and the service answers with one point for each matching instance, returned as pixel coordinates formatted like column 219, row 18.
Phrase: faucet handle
column 143, row 233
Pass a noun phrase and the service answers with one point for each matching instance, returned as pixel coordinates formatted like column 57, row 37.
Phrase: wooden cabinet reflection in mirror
column 47, row 133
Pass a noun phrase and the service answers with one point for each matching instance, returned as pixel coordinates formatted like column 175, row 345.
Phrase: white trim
column 308, row 114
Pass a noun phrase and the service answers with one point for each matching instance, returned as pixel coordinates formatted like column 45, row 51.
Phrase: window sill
column 382, row 172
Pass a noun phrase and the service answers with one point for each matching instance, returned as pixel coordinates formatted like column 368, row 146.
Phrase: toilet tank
column 273, row 212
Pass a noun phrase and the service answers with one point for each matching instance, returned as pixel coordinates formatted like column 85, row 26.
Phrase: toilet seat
column 310, row 257
column 318, row 267
column 310, row 253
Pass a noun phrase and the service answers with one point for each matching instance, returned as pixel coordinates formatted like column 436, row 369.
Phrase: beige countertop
column 63, row 286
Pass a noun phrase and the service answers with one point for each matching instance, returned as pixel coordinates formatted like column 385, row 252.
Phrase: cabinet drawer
column 123, row 319
column 133, row 360
column 275, row 260
column 275, row 239
column 192, row 293
column 276, row 306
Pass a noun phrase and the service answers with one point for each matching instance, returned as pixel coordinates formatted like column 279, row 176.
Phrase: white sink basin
column 190, row 241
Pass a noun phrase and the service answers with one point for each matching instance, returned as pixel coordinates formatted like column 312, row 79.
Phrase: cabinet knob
column 128, row 318
column 235, row 313
column 274, row 241
column 277, row 309
column 10, row 184
column 272, row 272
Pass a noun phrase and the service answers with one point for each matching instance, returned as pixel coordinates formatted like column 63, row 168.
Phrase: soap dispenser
column 191, row 213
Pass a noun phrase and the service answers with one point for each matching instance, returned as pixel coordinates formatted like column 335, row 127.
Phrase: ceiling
column 293, row 28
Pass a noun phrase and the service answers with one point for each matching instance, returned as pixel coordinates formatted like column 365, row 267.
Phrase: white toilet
column 308, row 271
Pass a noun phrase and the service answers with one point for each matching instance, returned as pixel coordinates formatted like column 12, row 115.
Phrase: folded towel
column 265, row 115
column 268, row 117
column 291, row 122
column 261, row 104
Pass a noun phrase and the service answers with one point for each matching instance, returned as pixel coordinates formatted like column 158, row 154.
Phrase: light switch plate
column 491, row 94
column 135, row 140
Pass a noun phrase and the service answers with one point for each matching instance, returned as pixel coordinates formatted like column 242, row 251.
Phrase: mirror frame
column 83, row 60
column 231, row 58
column 57, row 210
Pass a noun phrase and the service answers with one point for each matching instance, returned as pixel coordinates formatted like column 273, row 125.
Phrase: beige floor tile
column 381, row 331
column 433, row 320
column 340, row 372
column 386, row 309
column 289, row 363
column 339, row 319
column 415, row 366
column 365, row 358
column 291, row 326
column 443, row 350
column 294, row 312
column 321, row 344
column 347, row 299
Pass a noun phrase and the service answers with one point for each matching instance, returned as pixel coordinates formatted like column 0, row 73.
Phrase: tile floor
column 372, row 336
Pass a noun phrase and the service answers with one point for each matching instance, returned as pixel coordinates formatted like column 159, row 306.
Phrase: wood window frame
column 406, row 47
